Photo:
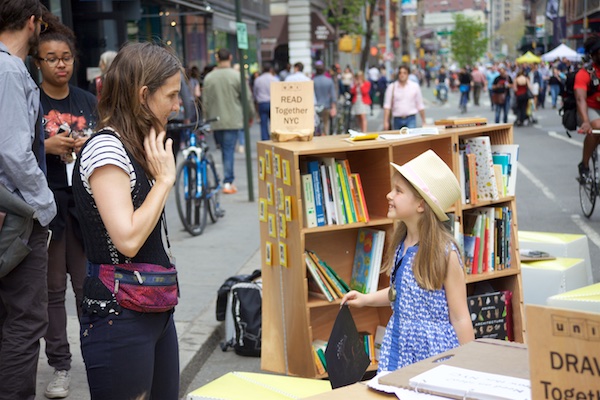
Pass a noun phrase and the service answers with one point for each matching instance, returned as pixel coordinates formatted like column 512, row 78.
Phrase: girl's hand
column 159, row 155
column 59, row 144
column 354, row 299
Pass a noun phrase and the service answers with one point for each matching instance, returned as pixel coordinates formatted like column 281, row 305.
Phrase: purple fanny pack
column 139, row 287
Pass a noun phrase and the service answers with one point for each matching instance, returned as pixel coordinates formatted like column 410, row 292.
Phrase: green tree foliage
column 343, row 15
column 468, row 41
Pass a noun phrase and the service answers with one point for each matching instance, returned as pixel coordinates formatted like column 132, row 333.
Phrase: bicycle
column 343, row 119
column 197, row 183
column 589, row 187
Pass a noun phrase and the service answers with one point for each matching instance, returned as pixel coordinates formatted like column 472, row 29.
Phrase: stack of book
column 332, row 194
column 367, row 260
column 486, row 172
column 323, row 281
column 319, row 346
column 460, row 122
column 369, row 342
column 487, row 239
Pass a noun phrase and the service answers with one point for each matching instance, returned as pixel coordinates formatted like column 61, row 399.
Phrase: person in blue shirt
column 427, row 291
column 23, row 291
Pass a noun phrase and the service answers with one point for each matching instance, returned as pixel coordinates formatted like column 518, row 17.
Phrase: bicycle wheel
column 212, row 190
column 189, row 200
column 588, row 190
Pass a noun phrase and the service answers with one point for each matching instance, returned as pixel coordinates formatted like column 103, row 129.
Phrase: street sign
column 242, row 35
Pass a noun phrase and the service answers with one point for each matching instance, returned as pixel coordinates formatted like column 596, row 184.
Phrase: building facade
column 195, row 29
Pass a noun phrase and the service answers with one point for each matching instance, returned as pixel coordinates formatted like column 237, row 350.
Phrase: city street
column 547, row 200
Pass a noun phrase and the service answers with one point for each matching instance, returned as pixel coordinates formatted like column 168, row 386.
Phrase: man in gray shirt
column 262, row 97
column 23, row 291
column 325, row 97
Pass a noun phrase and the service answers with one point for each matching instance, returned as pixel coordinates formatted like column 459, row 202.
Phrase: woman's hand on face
column 59, row 144
column 159, row 155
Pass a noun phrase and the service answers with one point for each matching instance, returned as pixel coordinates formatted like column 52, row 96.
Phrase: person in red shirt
column 361, row 100
column 588, row 106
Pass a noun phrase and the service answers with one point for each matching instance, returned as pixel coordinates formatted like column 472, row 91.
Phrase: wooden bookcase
column 291, row 319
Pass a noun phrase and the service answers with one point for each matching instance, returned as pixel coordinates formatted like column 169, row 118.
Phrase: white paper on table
column 446, row 379
column 402, row 394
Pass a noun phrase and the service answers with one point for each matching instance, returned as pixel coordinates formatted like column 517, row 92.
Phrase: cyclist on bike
column 588, row 105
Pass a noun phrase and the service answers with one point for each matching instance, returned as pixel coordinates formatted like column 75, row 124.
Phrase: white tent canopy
column 562, row 51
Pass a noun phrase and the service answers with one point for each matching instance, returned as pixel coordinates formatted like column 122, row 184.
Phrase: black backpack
column 242, row 313
column 569, row 108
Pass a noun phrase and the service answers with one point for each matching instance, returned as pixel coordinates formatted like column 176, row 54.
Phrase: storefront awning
column 276, row 34
column 199, row 5
column 321, row 30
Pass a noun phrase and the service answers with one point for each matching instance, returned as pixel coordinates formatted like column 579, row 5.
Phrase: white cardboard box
column 583, row 299
column 542, row 279
column 559, row 245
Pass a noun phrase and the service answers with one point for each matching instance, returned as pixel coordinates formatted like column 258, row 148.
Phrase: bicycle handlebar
column 194, row 125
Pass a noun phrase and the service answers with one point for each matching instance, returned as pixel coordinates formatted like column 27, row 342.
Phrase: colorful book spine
column 314, row 171
column 329, row 204
column 361, row 197
column 317, row 278
column 472, row 168
column 346, row 196
column 339, row 290
column 309, row 201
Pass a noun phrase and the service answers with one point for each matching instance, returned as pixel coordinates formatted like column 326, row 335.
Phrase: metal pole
column 388, row 42
column 585, row 20
column 245, row 111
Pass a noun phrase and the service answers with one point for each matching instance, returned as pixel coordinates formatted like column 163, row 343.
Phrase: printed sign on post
column 242, row 35
column 564, row 356
column 292, row 111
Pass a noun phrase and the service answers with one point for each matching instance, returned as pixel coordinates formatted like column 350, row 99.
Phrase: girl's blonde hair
column 430, row 265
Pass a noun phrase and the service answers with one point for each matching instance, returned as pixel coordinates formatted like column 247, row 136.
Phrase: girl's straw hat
column 434, row 181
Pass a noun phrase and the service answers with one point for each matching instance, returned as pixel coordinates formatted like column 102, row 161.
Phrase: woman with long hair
column 123, row 177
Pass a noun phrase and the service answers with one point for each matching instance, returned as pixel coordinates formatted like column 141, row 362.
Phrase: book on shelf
column 330, row 276
column 462, row 178
column 346, row 194
column 336, row 189
column 318, row 362
column 491, row 315
column 361, row 197
column 471, row 172
column 308, row 196
column 367, row 260
column 315, row 172
column 486, row 179
column 379, row 334
column 510, row 162
column 319, row 346
column 471, row 246
column 369, row 343
column 328, row 199
column 316, row 283
column 460, row 122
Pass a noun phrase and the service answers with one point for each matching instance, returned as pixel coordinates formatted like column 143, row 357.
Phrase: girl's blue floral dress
column 420, row 324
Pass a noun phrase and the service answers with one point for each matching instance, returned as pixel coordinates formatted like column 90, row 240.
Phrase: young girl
column 427, row 287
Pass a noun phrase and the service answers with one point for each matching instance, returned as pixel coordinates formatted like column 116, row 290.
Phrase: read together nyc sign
column 292, row 106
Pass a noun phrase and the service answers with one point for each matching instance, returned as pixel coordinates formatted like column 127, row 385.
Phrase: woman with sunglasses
column 69, row 116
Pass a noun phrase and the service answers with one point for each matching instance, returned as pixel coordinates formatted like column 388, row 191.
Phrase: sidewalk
column 203, row 262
